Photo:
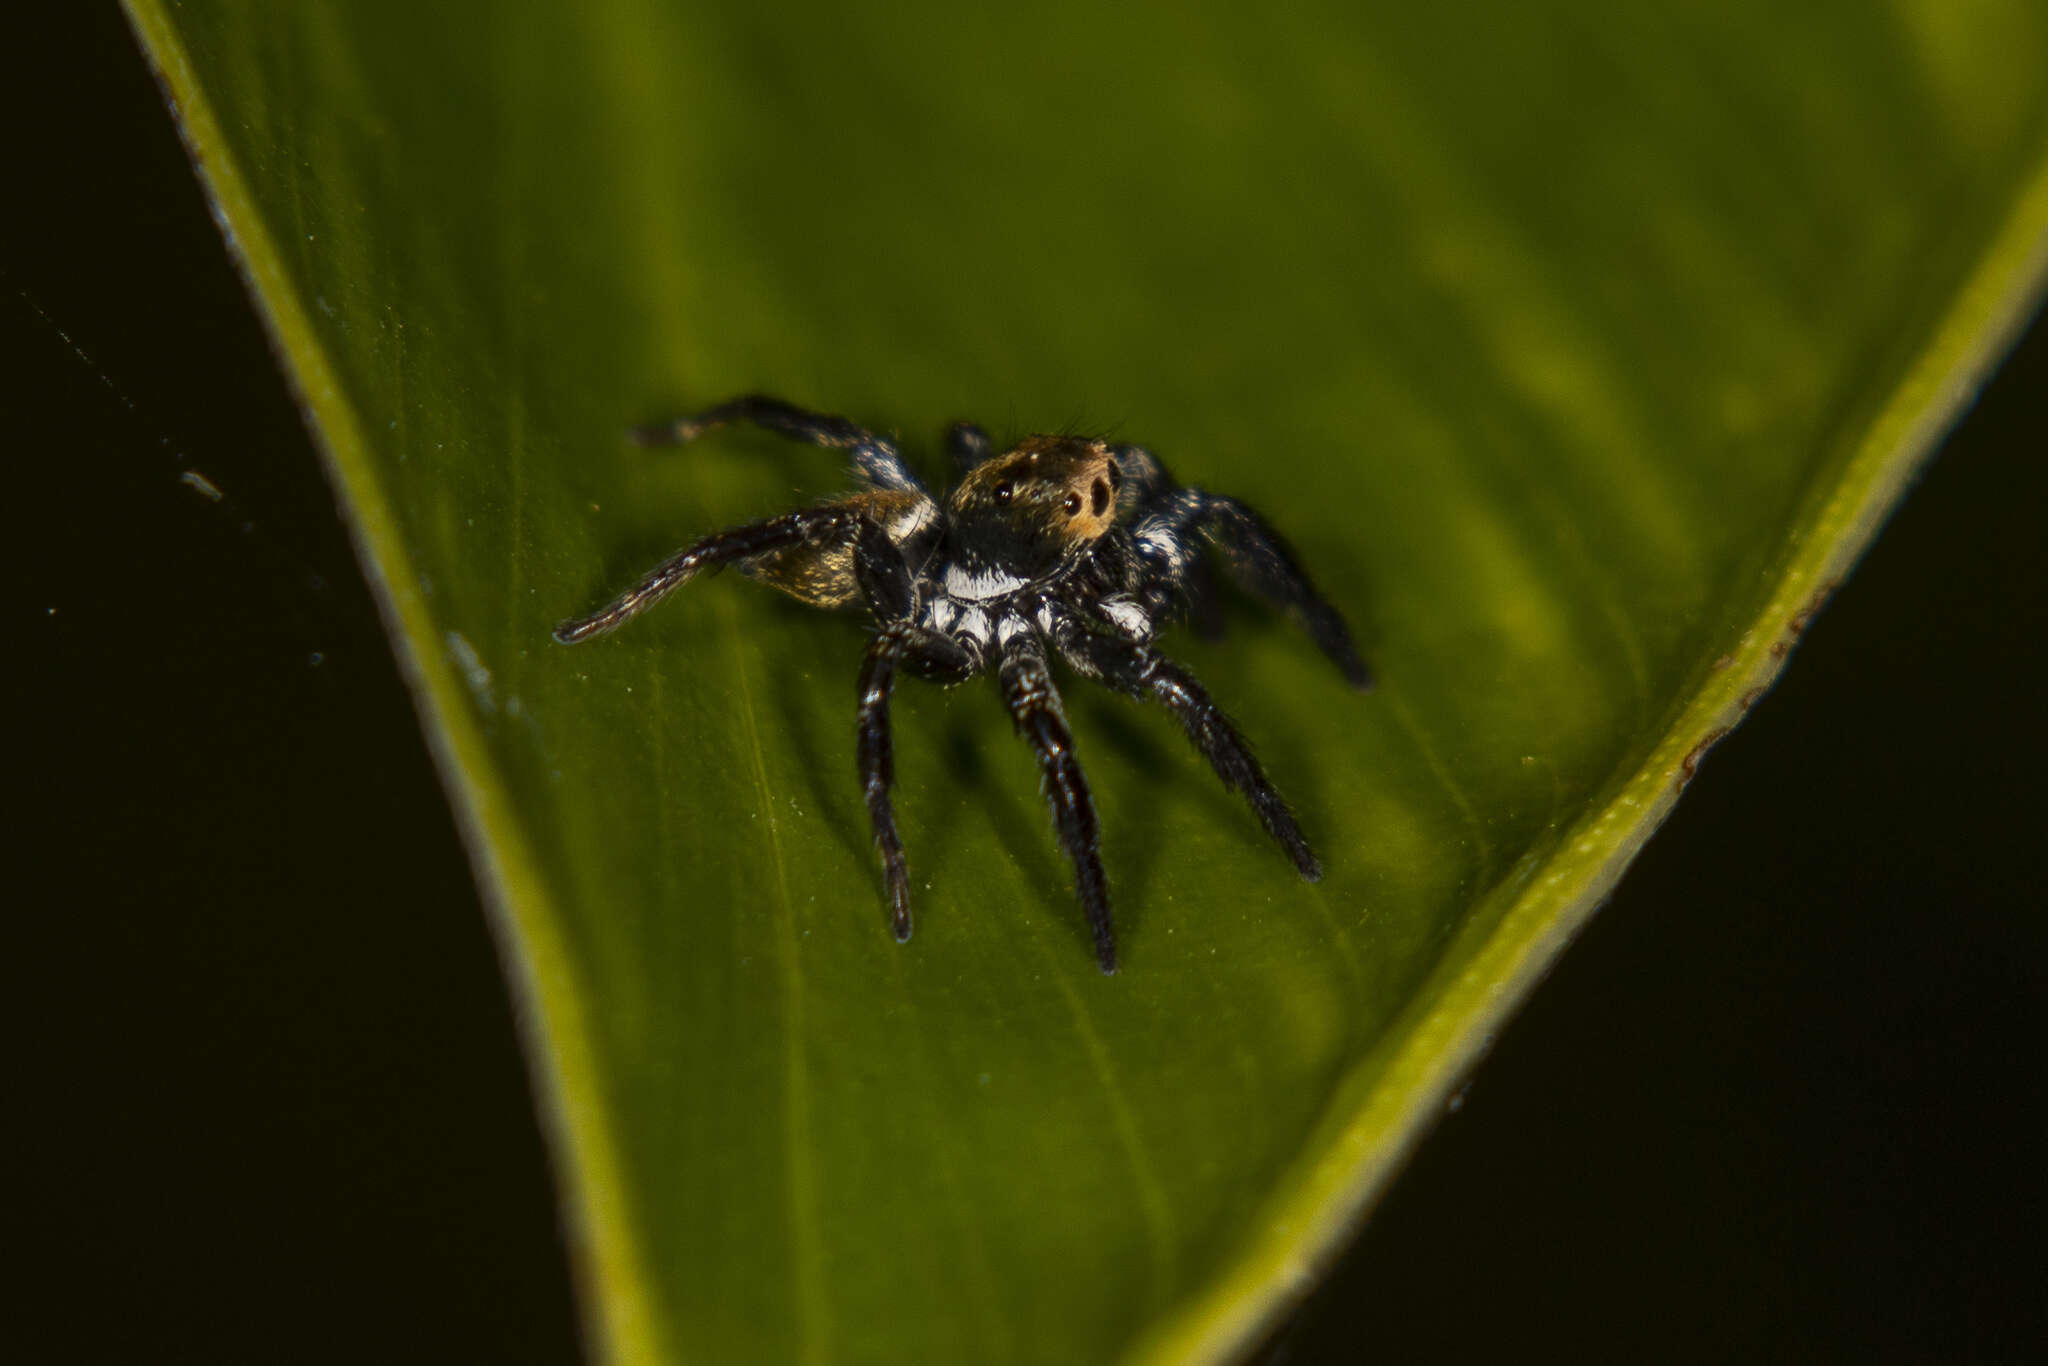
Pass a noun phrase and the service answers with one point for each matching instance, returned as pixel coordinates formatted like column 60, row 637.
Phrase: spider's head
column 1040, row 498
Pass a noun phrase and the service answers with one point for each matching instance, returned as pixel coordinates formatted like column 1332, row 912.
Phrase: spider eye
column 1099, row 497
column 1003, row 492
column 1071, row 505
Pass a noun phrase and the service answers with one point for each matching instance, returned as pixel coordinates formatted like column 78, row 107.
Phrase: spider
column 1060, row 545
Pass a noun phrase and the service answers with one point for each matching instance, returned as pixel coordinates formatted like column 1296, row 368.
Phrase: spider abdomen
column 821, row 573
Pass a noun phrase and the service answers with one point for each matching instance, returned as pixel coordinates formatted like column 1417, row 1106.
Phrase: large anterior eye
column 1071, row 505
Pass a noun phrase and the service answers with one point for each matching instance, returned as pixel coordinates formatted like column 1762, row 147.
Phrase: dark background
column 1780, row 1102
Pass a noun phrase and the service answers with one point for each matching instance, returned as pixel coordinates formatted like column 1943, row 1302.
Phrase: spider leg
column 896, row 645
column 878, row 768
column 1258, row 557
column 882, row 574
column 1145, row 481
column 877, row 760
column 968, row 444
column 886, row 585
column 876, row 457
column 1265, row 563
column 1035, row 708
column 713, row 552
column 1141, row 672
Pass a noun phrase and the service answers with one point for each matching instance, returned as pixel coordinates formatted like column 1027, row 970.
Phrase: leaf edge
column 1450, row 1022
column 1451, row 1019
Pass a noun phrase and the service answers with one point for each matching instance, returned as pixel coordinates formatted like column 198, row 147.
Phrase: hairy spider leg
column 875, row 457
column 882, row 574
column 1035, row 708
column 885, row 583
column 877, row 761
column 933, row 656
column 715, row 551
column 1258, row 557
column 1142, row 672
column 969, row 445
column 1146, row 480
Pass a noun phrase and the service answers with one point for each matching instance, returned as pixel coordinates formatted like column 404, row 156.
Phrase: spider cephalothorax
column 1060, row 545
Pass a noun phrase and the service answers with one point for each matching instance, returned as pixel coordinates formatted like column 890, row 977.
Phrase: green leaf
column 1579, row 347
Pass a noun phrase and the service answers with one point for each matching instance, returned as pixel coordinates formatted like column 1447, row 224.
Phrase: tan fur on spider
column 1061, row 488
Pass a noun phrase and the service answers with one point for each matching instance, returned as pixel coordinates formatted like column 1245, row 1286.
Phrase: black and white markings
column 1059, row 546
column 979, row 585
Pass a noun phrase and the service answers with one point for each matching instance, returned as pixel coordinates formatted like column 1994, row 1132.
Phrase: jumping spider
column 1059, row 545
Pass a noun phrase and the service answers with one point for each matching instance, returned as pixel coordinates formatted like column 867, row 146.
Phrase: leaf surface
column 1578, row 348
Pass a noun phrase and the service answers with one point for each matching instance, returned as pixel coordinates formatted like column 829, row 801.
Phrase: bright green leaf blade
column 1577, row 346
